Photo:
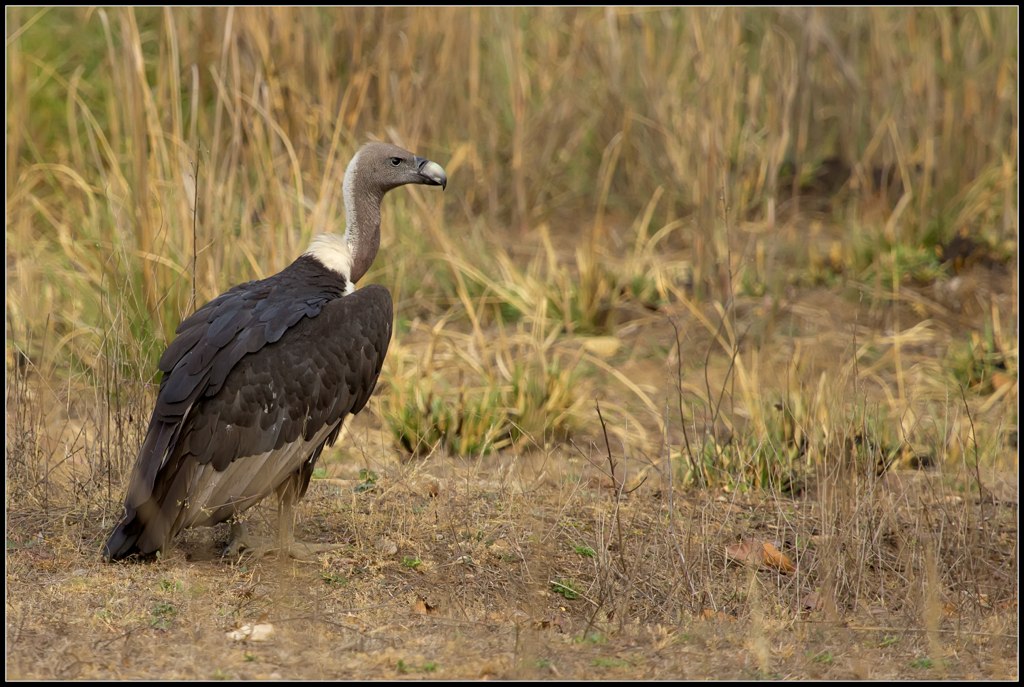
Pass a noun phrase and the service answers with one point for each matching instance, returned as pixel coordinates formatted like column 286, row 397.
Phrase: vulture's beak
column 431, row 172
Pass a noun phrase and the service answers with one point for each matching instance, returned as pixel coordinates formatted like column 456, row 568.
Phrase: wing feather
column 264, row 367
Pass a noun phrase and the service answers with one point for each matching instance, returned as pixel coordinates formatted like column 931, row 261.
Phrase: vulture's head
column 385, row 166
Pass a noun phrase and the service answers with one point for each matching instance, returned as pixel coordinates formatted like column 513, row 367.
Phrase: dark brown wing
column 257, row 382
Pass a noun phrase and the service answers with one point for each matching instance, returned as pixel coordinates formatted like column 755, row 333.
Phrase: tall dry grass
column 157, row 156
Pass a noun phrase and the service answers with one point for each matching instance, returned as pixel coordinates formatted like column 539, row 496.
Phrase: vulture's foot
column 250, row 546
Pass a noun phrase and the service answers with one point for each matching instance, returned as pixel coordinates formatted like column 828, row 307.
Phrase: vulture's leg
column 253, row 546
column 286, row 541
column 243, row 542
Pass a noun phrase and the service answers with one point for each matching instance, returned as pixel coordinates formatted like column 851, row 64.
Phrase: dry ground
column 454, row 577
column 542, row 563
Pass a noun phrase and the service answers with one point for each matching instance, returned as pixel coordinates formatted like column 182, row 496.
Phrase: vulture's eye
column 395, row 161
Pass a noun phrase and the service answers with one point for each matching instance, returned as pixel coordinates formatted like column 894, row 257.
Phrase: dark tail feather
column 141, row 532
column 124, row 540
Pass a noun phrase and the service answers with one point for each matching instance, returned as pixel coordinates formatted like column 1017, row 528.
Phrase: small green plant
column 922, row 663
column 428, row 413
column 593, row 638
column 334, row 579
column 751, row 285
column 406, row 668
column 161, row 615
column 974, row 362
column 367, row 480
column 566, row 588
column 541, row 398
column 825, row 658
column 584, row 550
column 170, row 585
column 411, row 562
column 887, row 264
column 519, row 388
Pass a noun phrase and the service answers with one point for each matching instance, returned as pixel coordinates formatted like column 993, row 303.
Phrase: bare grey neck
column 363, row 196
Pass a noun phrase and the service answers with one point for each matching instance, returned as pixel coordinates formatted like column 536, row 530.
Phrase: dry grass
column 777, row 247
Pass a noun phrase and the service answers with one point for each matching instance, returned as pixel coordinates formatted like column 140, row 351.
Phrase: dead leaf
column 712, row 614
column 1000, row 379
column 421, row 607
column 811, row 602
column 760, row 555
column 555, row 621
column 744, row 552
column 387, row 547
column 774, row 558
column 427, row 486
column 260, row 632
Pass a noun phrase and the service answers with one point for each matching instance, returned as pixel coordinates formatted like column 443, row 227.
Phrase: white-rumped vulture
column 261, row 378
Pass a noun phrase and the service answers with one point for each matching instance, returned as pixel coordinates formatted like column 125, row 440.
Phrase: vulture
column 259, row 380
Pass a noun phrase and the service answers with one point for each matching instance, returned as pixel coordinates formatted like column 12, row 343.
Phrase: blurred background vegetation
column 675, row 161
